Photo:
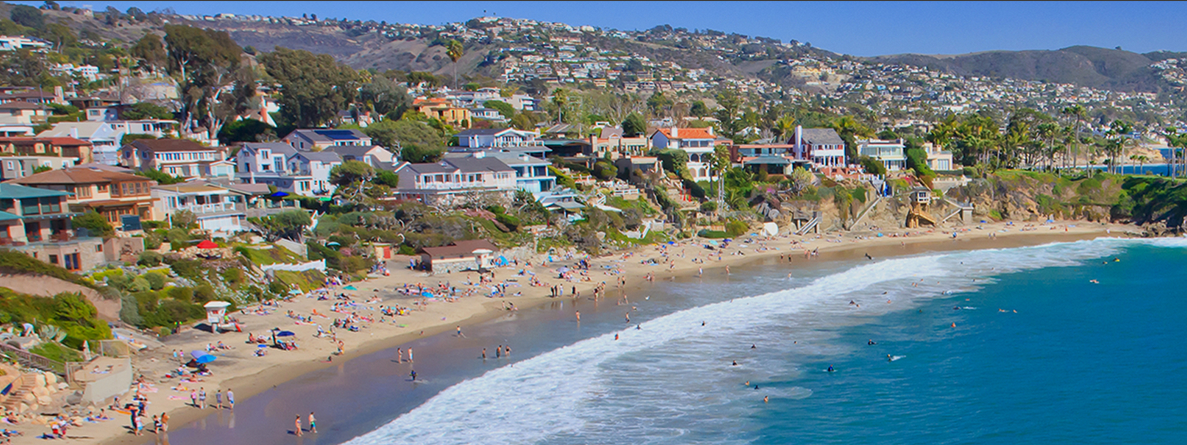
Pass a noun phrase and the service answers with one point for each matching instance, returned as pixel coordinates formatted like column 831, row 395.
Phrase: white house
column 214, row 207
column 373, row 155
column 176, row 157
column 531, row 173
column 446, row 180
column 310, row 172
column 100, row 134
column 699, row 143
column 891, row 154
column 822, row 146
column 495, row 138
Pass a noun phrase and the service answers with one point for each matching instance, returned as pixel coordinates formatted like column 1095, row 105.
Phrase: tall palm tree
column 1118, row 142
column 1076, row 113
column 455, row 51
column 560, row 99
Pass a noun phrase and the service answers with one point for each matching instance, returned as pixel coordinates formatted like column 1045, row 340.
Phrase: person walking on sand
column 202, row 398
column 194, row 397
column 579, row 316
column 312, row 423
column 164, row 422
column 297, row 425
column 218, row 399
column 231, row 399
column 459, row 332
column 413, row 375
column 409, row 355
column 399, row 355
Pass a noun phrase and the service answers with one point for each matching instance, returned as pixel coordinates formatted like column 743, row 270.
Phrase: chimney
column 675, row 132
column 710, row 130
column 479, row 154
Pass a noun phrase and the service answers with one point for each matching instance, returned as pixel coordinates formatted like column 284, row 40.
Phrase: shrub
column 709, row 206
column 736, row 228
column 203, row 293
column 150, row 259
column 353, row 264
column 511, row 222
column 155, row 280
column 183, row 294
column 139, row 284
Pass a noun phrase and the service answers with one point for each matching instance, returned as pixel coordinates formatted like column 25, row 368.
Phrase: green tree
column 659, row 104
column 128, row 138
column 146, row 110
column 247, row 130
column 699, row 109
column 95, row 223
column 289, row 224
column 159, row 176
column 633, row 125
column 213, row 82
column 401, row 133
column 384, row 95
column 729, row 117
column 388, row 178
column 455, row 51
column 560, row 99
column 313, row 87
column 1118, row 141
column 150, row 51
column 417, row 154
column 503, row 108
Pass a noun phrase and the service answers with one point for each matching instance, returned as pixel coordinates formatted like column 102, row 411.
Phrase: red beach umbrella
column 207, row 244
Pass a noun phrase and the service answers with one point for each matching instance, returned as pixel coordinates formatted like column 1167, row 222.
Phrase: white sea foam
column 654, row 384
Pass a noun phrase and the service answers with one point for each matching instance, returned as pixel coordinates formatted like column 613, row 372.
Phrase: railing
column 212, row 208
column 33, row 360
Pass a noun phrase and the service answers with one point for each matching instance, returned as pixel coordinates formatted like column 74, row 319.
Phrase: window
column 99, row 247
column 53, row 259
column 10, row 165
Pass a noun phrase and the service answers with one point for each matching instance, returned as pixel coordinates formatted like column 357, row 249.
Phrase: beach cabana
column 459, row 256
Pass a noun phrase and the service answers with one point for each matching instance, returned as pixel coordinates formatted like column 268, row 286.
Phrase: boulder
column 24, row 408
column 29, row 397
column 40, row 391
column 39, row 380
column 51, row 379
column 44, row 400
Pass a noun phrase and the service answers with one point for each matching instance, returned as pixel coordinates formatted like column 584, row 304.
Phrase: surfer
column 766, row 399
column 735, row 363
column 413, row 374
column 871, row 342
column 830, row 368
column 868, row 257
column 889, row 358
column 753, row 346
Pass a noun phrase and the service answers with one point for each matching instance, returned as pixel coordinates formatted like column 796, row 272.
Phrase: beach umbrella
column 426, row 294
column 205, row 359
column 207, row 244
column 196, row 354
column 279, row 195
column 332, row 243
column 261, row 346
column 563, row 269
column 350, row 287
column 671, row 242
column 285, row 334
column 294, row 291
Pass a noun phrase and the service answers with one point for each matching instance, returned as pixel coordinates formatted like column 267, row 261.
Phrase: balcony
column 215, row 209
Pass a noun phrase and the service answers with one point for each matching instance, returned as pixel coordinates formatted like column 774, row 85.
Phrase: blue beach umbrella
column 206, row 358
column 285, row 334
column 349, row 287
column 196, row 354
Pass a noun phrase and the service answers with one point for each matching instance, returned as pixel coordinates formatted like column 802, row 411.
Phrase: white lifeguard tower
column 215, row 310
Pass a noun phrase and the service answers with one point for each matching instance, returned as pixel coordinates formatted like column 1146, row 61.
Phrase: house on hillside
column 373, row 155
column 115, row 195
column 531, row 173
column 502, row 139
column 101, row 135
column 310, row 172
column 823, row 147
column 17, row 166
column 450, row 180
column 892, row 154
column 777, row 159
column 176, row 157
column 216, row 208
column 18, row 112
column 321, row 138
column 699, row 143
column 63, row 147
column 36, row 222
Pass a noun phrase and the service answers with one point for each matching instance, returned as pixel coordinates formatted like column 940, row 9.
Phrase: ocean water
column 990, row 346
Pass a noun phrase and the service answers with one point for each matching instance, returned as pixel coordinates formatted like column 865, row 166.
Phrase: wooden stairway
column 19, row 388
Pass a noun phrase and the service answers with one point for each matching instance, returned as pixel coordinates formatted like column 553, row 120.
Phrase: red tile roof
column 688, row 133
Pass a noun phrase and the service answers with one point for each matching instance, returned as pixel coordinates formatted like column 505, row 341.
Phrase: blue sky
column 858, row 28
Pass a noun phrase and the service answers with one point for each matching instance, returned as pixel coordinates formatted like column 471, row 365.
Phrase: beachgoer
column 231, row 399
column 297, row 425
column 312, row 423
column 409, row 355
column 578, row 315
column 202, row 398
column 165, row 422
column 459, row 332
column 830, row 368
column 499, row 352
column 413, row 375
column 766, row 399
column 218, row 399
column 484, row 353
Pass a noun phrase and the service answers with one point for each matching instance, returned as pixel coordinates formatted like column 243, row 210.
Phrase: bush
column 139, row 284
column 511, row 222
column 155, row 280
column 736, row 228
column 204, row 293
column 353, row 264
column 183, row 294
column 150, row 259
column 709, row 206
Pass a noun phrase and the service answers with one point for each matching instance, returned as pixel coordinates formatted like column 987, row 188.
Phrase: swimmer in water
column 735, row 363
column 830, row 368
column 753, row 347
column 868, row 257
column 889, row 358
column 766, row 399
column 871, row 342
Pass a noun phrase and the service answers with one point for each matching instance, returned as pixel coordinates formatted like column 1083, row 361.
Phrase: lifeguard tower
column 215, row 311
column 920, row 199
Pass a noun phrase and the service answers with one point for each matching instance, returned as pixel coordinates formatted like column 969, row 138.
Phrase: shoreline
column 251, row 380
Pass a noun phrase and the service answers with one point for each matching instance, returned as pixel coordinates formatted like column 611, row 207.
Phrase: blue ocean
column 1080, row 342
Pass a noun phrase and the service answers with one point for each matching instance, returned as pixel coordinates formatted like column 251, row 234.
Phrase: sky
column 857, row 28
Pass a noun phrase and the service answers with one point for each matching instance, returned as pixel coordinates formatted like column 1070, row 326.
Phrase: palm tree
column 1118, row 142
column 560, row 99
column 454, row 50
column 1178, row 142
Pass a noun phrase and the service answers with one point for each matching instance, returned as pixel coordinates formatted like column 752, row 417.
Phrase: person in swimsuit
column 297, row 424
column 312, row 423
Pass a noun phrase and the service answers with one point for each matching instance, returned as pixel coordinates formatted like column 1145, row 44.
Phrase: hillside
column 1088, row 66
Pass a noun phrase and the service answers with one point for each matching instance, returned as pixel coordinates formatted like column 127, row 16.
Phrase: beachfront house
column 699, row 143
column 938, row 159
column 776, row 159
column 216, row 208
column 373, row 155
column 36, row 222
column 823, row 147
column 310, row 172
column 452, row 179
column 123, row 199
column 891, row 154
column 531, row 173
column 459, row 256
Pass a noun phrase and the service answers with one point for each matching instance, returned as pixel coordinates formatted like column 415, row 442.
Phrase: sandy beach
column 240, row 370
